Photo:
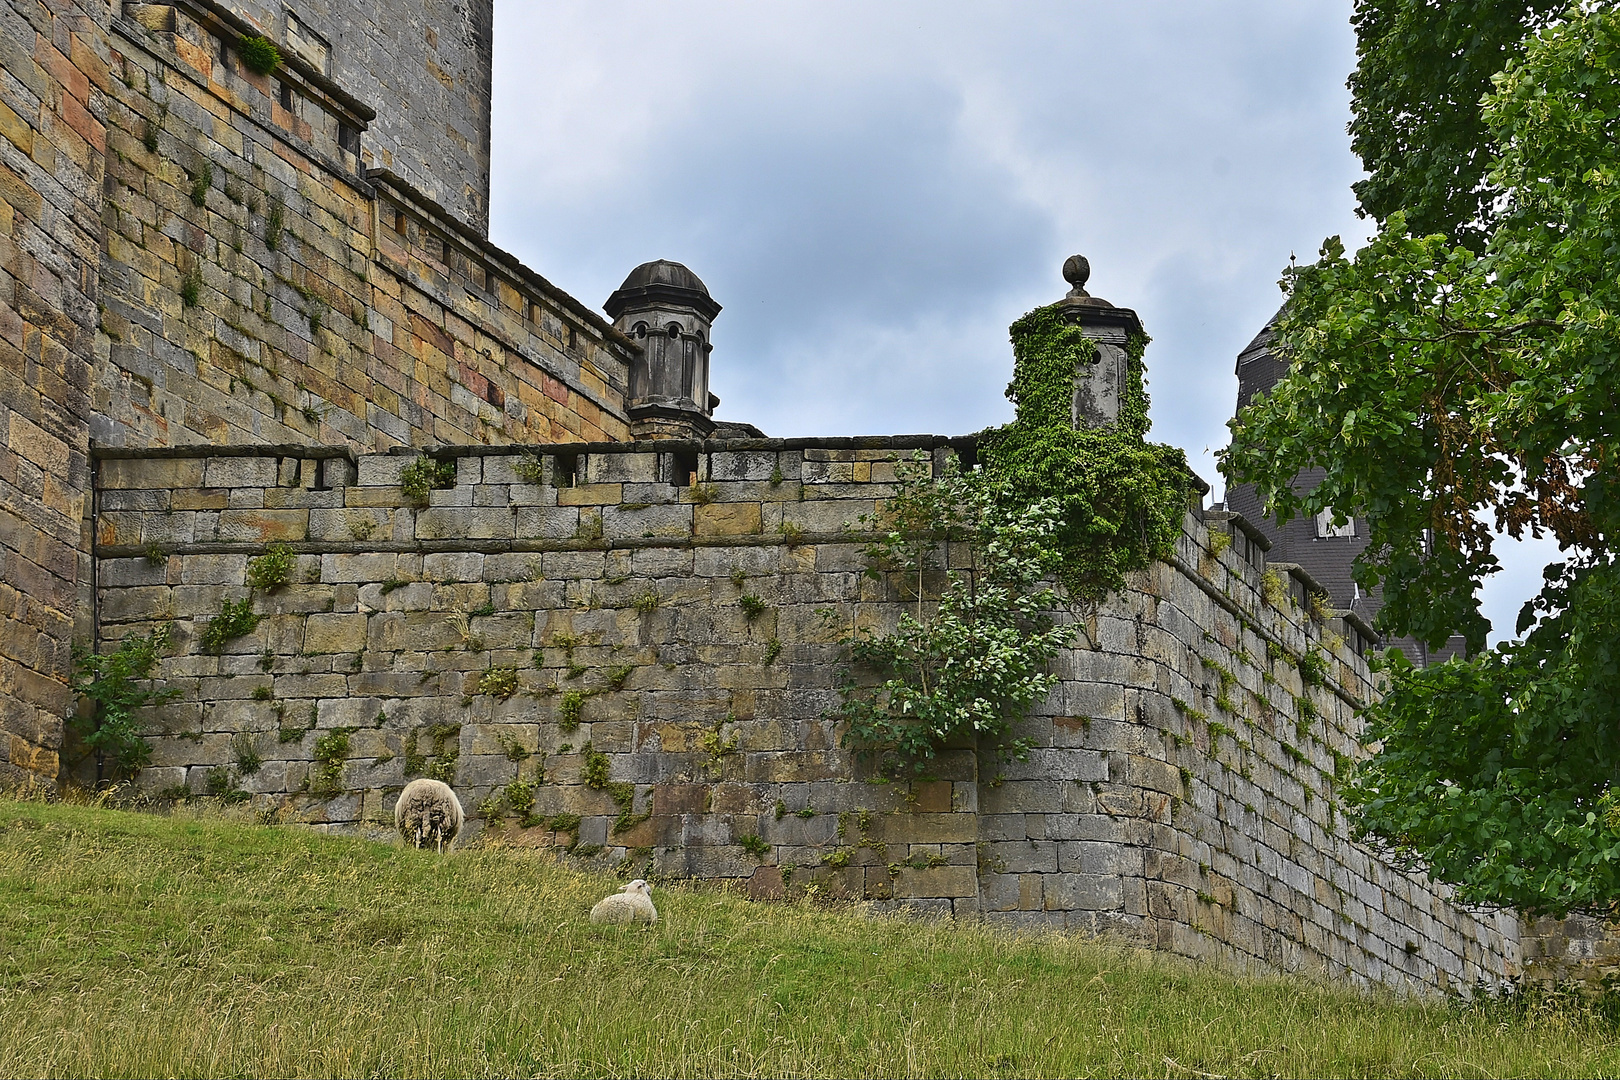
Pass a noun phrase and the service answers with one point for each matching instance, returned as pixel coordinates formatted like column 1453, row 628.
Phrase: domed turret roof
column 663, row 272
column 661, row 281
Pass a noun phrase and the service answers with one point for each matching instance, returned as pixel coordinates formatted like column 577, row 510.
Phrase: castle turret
column 1098, row 388
column 667, row 311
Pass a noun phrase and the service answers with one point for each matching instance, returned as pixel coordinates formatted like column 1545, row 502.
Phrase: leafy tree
column 1458, row 377
column 117, row 685
column 1424, row 65
column 970, row 661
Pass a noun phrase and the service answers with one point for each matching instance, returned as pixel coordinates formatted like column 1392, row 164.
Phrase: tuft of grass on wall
column 259, row 54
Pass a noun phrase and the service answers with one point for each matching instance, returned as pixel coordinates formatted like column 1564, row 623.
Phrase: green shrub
column 113, row 683
column 753, row 607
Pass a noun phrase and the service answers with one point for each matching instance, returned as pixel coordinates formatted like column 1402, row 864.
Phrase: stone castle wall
column 1181, row 793
column 259, row 288
column 53, row 75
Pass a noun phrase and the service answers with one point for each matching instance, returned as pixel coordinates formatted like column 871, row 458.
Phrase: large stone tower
column 668, row 312
column 423, row 65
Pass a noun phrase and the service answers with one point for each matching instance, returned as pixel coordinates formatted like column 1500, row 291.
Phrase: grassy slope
column 139, row 945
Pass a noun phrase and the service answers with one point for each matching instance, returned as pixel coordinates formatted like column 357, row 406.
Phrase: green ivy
column 971, row 663
column 1120, row 499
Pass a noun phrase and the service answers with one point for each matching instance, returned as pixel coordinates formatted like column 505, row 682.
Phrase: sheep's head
column 638, row 886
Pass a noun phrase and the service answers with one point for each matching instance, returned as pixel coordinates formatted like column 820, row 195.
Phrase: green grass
column 190, row 945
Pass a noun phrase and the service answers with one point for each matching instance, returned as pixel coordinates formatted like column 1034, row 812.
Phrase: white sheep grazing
column 631, row 904
column 428, row 812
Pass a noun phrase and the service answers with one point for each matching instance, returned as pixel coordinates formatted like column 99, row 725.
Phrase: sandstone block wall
column 260, row 287
column 424, row 65
column 53, row 108
column 604, row 657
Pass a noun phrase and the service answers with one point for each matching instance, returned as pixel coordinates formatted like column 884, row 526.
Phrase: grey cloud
column 875, row 192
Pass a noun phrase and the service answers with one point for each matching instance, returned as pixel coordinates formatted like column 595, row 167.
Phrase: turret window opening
column 674, row 329
column 640, row 329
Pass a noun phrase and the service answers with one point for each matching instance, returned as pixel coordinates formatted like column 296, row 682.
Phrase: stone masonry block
column 728, row 519
column 164, row 473
column 263, row 526
column 334, row 634
column 237, row 472
column 359, row 568
column 464, row 522
column 453, row 566
column 654, row 520
column 943, row 881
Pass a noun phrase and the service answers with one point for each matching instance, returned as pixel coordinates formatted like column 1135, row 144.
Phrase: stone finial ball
column 1076, row 271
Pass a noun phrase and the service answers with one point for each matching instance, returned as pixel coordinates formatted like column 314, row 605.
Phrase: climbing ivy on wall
column 1083, row 506
column 1120, row 498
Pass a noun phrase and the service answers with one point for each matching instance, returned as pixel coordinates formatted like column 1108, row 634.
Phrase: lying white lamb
column 428, row 812
column 631, row 904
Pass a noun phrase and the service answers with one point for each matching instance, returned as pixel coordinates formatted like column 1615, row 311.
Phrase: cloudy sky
column 875, row 191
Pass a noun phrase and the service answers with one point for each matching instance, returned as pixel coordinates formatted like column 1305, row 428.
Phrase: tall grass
column 136, row 944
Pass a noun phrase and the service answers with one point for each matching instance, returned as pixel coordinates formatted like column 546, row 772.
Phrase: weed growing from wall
column 424, row 475
column 117, row 685
column 233, row 621
column 527, row 469
column 271, row 570
column 191, row 283
column 201, row 183
column 438, row 763
column 331, row 750
column 245, row 750
column 275, row 221
column 501, row 682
